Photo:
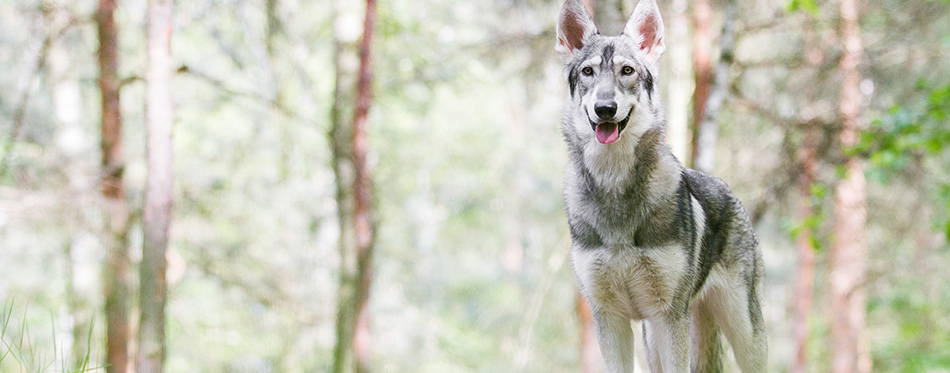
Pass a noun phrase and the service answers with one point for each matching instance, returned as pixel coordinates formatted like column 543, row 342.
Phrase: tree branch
column 19, row 114
column 223, row 87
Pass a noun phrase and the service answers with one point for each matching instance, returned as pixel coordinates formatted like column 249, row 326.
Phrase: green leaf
column 815, row 243
column 818, row 190
column 808, row 6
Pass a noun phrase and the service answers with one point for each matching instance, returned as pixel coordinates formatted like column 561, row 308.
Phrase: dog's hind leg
column 736, row 310
column 704, row 335
column 615, row 338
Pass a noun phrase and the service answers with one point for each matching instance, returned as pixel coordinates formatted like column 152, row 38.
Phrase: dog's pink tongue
column 607, row 133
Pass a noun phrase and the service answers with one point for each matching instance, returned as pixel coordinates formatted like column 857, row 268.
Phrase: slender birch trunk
column 65, row 94
column 708, row 130
column 158, row 193
column 680, row 80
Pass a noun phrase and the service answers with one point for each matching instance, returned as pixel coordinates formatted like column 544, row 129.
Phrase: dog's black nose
column 605, row 109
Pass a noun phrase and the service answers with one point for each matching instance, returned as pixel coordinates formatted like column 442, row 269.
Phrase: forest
column 376, row 186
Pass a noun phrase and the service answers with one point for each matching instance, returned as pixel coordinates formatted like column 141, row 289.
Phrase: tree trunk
column 279, row 103
column 848, row 340
column 702, row 67
column 340, row 135
column 357, row 240
column 808, row 157
column 590, row 351
column 67, row 101
column 362, row 189
column 805, row 274
column 709, row 128
column 680, row 82
column 609, row 15
column 158, row 192
column 116, row 285
column 79, row 309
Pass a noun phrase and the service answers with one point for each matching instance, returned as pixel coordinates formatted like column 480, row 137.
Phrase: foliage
column 892, row 140
column 906, row 134
column 917, row 342
column 808, row 6
column 817, row 200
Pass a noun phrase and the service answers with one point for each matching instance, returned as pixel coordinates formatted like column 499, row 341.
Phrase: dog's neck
column 638, row 160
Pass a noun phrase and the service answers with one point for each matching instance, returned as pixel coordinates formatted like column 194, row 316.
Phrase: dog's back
column 729, row 236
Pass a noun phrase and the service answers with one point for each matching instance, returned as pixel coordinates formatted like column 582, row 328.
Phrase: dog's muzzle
column 608, row 132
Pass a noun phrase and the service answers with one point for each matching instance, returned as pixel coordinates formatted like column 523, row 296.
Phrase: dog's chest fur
column 631, row 250
column 635, row 282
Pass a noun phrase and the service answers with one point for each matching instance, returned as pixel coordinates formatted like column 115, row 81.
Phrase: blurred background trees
column 115, row 268
column 470, row 270
column 354, row 193
column 156, row 214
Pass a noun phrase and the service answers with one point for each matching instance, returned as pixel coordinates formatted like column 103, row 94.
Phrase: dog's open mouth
column 608, row 132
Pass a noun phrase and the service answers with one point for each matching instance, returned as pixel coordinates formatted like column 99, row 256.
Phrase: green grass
column 20, row 348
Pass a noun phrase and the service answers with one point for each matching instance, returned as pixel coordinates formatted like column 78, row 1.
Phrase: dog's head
column 611, row 78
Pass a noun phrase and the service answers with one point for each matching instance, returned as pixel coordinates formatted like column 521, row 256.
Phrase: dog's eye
column 627, row 70
column 588, row 71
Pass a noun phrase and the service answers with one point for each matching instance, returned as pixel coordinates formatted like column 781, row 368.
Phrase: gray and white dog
column 652, row 240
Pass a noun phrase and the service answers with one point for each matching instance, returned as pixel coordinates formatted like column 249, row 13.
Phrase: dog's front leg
column 668, row 340
column 616, row 341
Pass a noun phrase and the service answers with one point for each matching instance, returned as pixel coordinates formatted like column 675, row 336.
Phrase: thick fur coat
column 652, row 241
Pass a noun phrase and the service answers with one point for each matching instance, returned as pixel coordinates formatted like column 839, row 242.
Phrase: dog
column 652, row 241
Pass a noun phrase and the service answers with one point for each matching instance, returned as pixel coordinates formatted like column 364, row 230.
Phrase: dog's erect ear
column 574, row 25
column 646, row 28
